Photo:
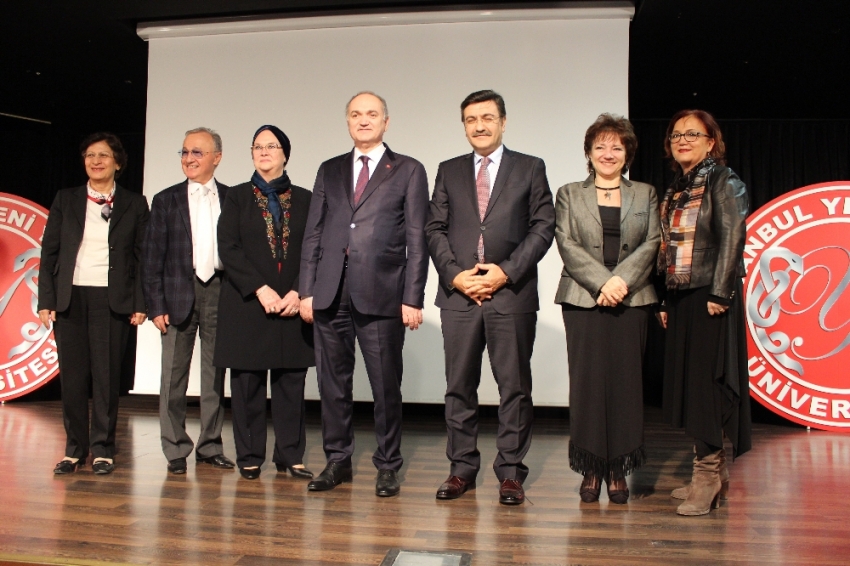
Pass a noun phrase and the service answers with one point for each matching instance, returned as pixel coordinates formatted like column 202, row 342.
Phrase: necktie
column 362, row 179
column 482, row 184
column 204, row 262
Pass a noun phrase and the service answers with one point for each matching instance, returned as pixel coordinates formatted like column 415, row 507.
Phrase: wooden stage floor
column 787, row 502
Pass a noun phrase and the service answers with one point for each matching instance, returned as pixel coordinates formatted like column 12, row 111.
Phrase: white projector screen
column 557, row 69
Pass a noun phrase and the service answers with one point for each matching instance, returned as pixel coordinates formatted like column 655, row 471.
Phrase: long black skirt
column 605, row 349
column 706, row 386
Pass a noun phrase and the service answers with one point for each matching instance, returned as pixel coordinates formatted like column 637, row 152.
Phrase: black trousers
column 248, row 402
column 509, row 339
column 91, row 340
column 381, row 341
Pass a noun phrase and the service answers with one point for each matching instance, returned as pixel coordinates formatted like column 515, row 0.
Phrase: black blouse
column 610, row 216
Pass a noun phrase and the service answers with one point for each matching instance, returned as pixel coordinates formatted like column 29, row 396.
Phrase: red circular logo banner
column 28, row 356
column 798, row 305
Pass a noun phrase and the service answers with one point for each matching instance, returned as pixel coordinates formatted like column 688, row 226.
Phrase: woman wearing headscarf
column 260, row 334
column 607, row 233
column 89, row 285
column 703, row 222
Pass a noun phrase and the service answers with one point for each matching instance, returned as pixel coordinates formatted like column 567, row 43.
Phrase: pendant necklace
column 608, row 190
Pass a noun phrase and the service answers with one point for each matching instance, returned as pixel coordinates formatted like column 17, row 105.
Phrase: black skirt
column 605, row 349
column 706, row 386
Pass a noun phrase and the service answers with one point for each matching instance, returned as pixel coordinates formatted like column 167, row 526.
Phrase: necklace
column 608, row 190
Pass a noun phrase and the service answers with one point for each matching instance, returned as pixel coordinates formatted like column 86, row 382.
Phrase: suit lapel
column 468, row 181
column 347, row 176
column 588, row 197
column 502, row 176
column 627, row 197
column 383, row 170
column 181, row 199
column 119, row 207
column 78, row 205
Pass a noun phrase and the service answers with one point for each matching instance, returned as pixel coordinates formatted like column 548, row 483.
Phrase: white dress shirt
column 492, row 167
column 195, row 195
column 374, row 156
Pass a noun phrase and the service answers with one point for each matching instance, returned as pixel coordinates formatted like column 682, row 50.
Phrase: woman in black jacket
column 259, row 331
column 89, row 285
column 703, row 221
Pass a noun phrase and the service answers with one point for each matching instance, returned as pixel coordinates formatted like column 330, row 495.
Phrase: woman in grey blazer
column 607, row 229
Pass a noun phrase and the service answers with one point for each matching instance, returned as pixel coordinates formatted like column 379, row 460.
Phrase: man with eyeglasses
column 364, row 263
column 181, row 282
column 491, row 221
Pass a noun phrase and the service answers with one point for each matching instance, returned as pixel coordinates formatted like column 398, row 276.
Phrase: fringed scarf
column 679, row 212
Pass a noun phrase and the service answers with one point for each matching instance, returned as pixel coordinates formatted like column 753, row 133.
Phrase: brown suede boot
column 705, row 487
column 683, row 492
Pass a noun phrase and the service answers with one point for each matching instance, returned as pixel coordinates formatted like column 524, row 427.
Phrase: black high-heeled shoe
column 300, row 473
column 68, row 467
column 618, row 489
column 591, row 486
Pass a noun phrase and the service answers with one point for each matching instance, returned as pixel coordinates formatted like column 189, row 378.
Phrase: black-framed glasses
column 689, row 136
column 196, row 153
column 269, row 147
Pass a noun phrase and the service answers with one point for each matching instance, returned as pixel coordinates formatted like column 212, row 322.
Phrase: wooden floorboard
column 786, row 504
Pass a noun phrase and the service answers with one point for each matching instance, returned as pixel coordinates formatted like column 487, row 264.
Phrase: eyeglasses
column 269, row 148
column 689, row 136
column 101, row 155
column 196, row 153
column 487, row 119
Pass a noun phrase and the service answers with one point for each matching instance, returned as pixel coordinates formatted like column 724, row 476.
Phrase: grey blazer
column 578, row 231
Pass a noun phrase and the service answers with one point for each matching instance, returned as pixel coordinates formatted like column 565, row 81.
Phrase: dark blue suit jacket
column 168, row 277
column 384, row 235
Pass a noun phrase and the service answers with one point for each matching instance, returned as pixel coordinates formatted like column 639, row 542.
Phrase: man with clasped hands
column 491, row 221
column 364, row 264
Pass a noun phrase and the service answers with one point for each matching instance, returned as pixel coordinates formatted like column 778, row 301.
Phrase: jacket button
column 353, row 225
column 111, row 247
column 625, row 246
column 483, row 228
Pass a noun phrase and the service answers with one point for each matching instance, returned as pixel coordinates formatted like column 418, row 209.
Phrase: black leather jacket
column 720, row 234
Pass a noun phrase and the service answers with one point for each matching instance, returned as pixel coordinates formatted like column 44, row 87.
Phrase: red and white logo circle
column 28, row 356
column 798, row 305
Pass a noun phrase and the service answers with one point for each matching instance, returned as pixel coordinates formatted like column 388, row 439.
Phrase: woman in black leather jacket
column 706, row 390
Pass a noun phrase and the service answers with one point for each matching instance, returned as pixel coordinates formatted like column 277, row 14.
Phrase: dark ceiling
column 81, row 66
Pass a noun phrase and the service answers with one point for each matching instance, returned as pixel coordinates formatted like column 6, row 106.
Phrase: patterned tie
column 204, row 263
column 362, row 179
column 482, row 184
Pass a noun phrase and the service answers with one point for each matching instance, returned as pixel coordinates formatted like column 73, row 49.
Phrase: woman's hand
column 138, row 318
column 715, row 309
column 614, row 291
column 662, row 319
column 289, row 304
column 269, row 299
column 46, row 317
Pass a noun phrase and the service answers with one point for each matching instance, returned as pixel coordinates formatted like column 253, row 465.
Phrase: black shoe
column 102, row 467
column 454, row 487
column 300, row 473
column 333, row 475
column 177, row 466
column 387, row 483
column 250, row 473
column 217, row 461
column 68, row 467
column 591, row 485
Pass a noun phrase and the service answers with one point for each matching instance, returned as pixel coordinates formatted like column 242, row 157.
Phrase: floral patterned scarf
column 275, row 200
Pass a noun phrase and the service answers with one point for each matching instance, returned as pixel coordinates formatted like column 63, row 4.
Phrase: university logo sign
column 798, row 305
column 28, row 357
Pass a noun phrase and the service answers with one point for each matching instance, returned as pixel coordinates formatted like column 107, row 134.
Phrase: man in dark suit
column 491, row 221
column 182, row 280
column 364, row 264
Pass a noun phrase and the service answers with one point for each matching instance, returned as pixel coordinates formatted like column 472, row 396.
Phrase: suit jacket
column 579, row 233
column 518, row 229
column 168, row 272
column 384, row 235
column 63, row 235
column 247, row 338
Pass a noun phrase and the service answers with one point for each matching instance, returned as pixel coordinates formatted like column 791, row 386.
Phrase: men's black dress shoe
column 217, row 461
column 102, row 467
column 454, row 487
column 177, row 466
column 333, row 475
column 68, row 467
column 250, row 473
column 387, row 483
column 300, row 473
column 511, row 492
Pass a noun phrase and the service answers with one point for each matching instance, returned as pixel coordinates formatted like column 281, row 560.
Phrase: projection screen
column 557, row 68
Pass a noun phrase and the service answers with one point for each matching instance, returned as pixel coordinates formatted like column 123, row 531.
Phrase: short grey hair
column 378, row 96
column 213, row 134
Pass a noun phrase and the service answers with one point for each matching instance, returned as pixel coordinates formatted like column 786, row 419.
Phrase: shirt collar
column 98, row 195
column 495, row 157
column 374, row 156
column 195, row 187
